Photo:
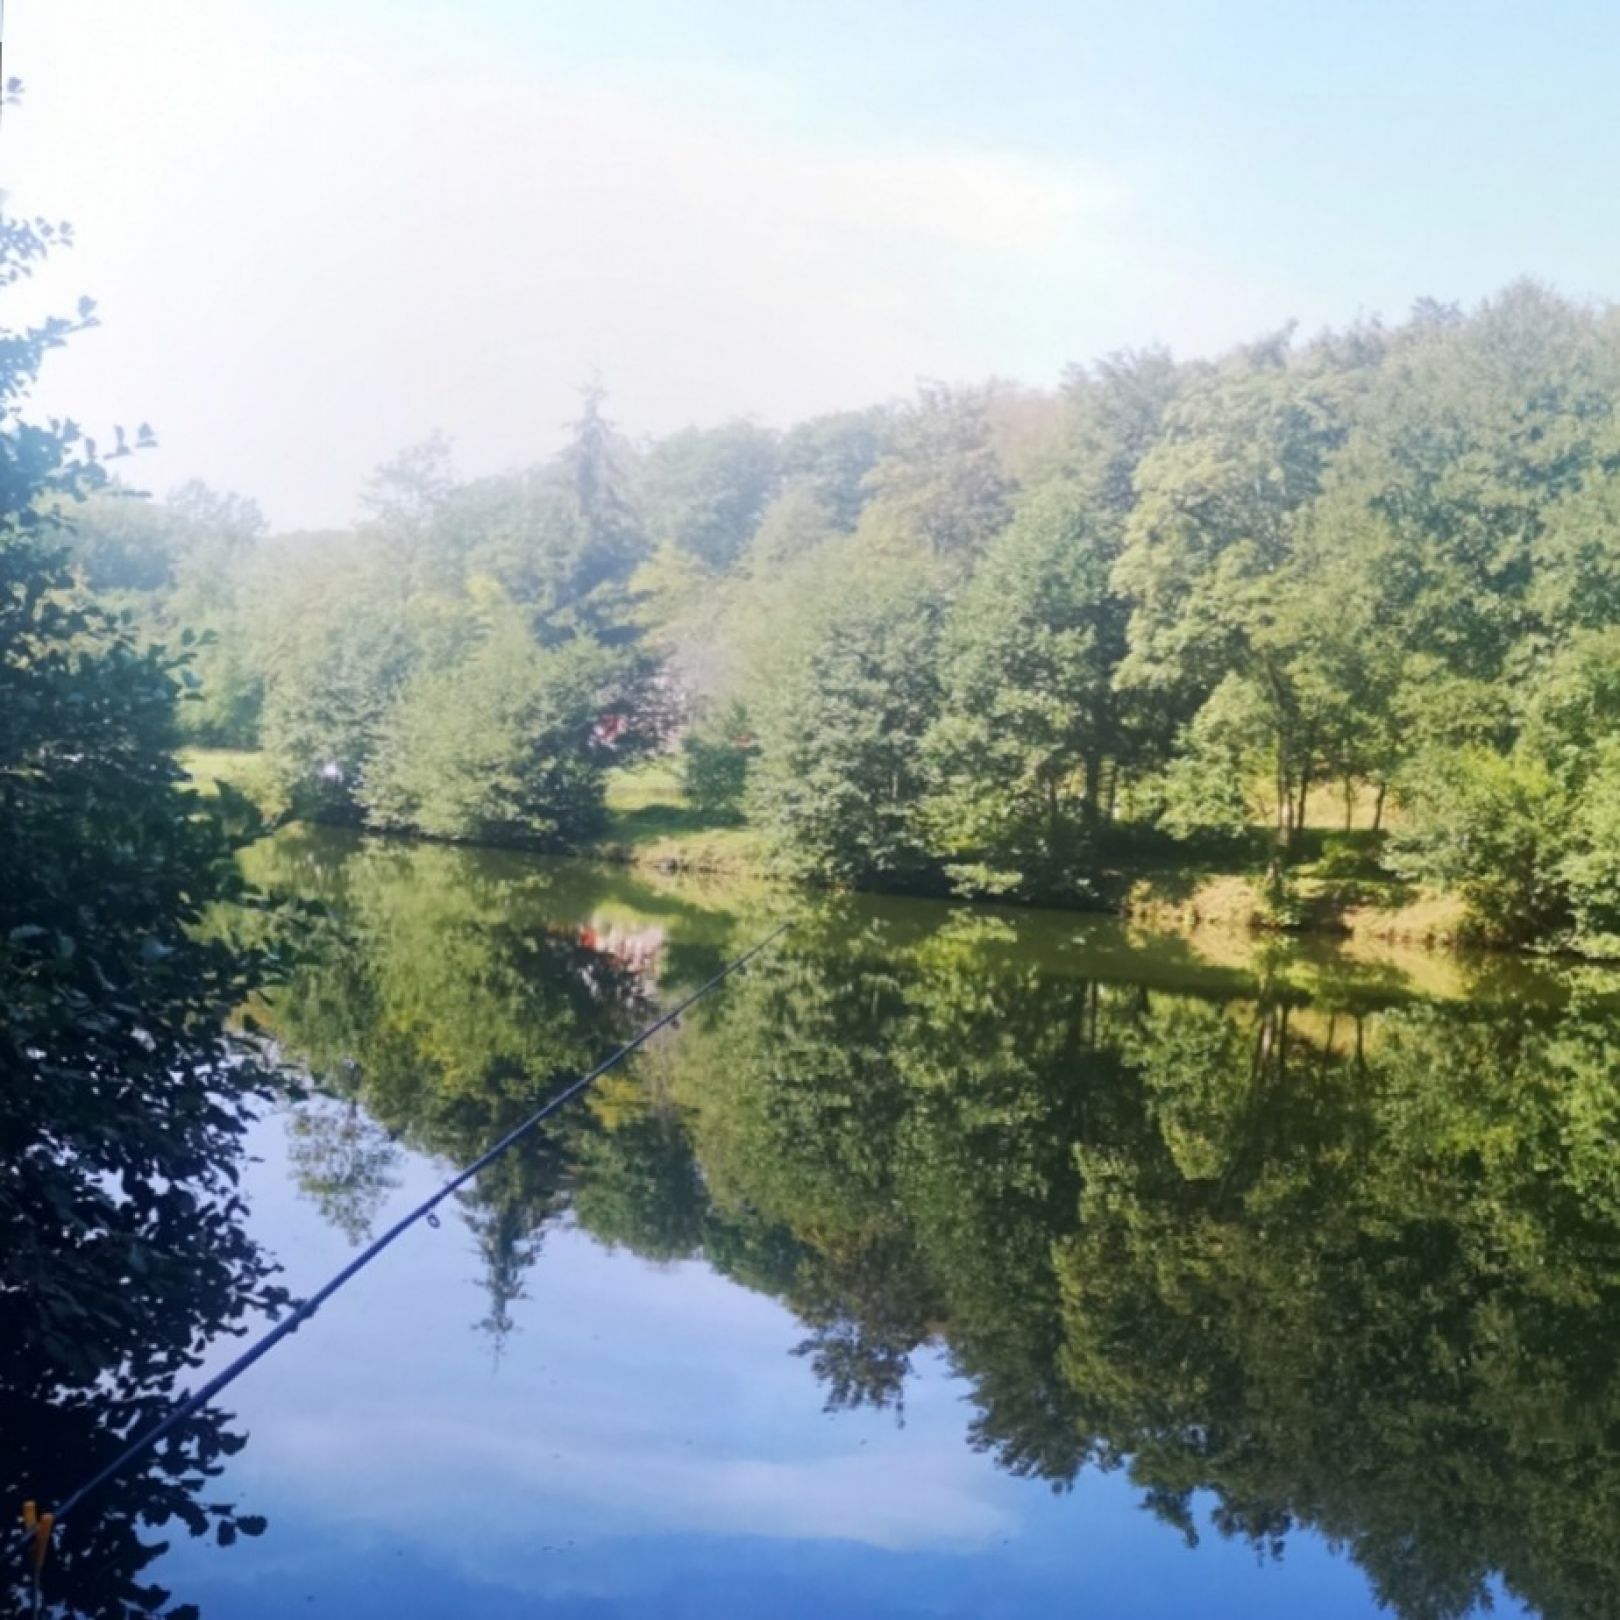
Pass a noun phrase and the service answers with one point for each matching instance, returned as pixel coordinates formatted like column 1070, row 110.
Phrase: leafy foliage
column 841, row 771
column 1493, row 827
column 715, row 762
column 496, row 748
column 705, row 491
column 1029, row 717
column 122, row 1099
column 1208, row 602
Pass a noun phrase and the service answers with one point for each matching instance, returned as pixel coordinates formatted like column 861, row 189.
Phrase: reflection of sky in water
column 646, row 1445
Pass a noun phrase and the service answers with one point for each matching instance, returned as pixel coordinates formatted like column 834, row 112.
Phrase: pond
column 951, row 1261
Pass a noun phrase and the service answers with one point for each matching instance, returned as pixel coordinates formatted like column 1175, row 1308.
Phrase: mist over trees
column 988, row 641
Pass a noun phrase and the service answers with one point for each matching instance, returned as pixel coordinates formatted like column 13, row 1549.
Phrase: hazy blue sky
column 319, row 230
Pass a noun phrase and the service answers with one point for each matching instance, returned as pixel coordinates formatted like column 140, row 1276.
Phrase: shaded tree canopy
column 123, row 1101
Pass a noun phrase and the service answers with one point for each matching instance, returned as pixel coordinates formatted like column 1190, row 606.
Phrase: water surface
column 953, row 1261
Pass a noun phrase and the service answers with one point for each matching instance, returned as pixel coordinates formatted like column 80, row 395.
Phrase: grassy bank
column 1386, row 912
column 244, row 769
column 650, row 824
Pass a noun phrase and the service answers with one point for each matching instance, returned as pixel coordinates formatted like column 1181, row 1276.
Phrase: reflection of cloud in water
column 929, row 1498
column 636, row 1400
column 649, row 1446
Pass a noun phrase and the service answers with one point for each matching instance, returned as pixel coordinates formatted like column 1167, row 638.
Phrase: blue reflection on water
column 645, row 1444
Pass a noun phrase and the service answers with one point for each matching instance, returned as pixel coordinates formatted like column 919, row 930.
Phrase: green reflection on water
column 1335, row 1238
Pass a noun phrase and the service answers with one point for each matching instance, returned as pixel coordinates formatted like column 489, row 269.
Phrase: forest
column 845, row 1163
column 987, row 642
column 1352, row 600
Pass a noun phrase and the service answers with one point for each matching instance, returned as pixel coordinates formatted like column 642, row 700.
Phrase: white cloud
column 313, row 245
column 996, row 205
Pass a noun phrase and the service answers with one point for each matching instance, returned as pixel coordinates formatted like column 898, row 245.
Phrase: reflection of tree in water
column 868, row 1313
column 125, row 1255
column 1348, row 1271
column 636, row 1183
column 122, row 1103
column 1371, row 1288
column 448, row 1008
column 343, row 1160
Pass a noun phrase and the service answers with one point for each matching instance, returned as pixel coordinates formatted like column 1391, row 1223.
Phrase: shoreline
column 650, row 830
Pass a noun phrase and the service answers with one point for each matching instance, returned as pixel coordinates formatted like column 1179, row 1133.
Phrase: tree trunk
column 1285, row 798
column 1093, row 790
column 1297, row 820
column 1378, row 806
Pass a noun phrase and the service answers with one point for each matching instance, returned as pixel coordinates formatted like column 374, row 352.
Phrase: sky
column 318, row 230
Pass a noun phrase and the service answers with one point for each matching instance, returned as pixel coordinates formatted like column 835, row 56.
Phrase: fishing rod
column 38, row 1527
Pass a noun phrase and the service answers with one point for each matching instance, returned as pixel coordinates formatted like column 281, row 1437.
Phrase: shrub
column 716, row 759
column 500, row 748
column 1494, row 827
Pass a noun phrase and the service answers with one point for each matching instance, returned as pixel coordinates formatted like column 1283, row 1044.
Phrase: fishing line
column 31, row 1539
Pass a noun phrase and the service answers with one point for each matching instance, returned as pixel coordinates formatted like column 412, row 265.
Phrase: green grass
column 649, row 820
column 651, row 823
column 651, row 785
column 245, row 769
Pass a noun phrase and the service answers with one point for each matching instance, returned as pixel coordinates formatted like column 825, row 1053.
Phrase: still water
column 951, row 1262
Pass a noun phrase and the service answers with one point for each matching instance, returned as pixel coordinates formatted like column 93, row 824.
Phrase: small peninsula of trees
column 989, row 641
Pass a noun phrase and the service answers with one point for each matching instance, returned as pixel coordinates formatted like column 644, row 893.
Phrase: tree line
column 989, row 640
